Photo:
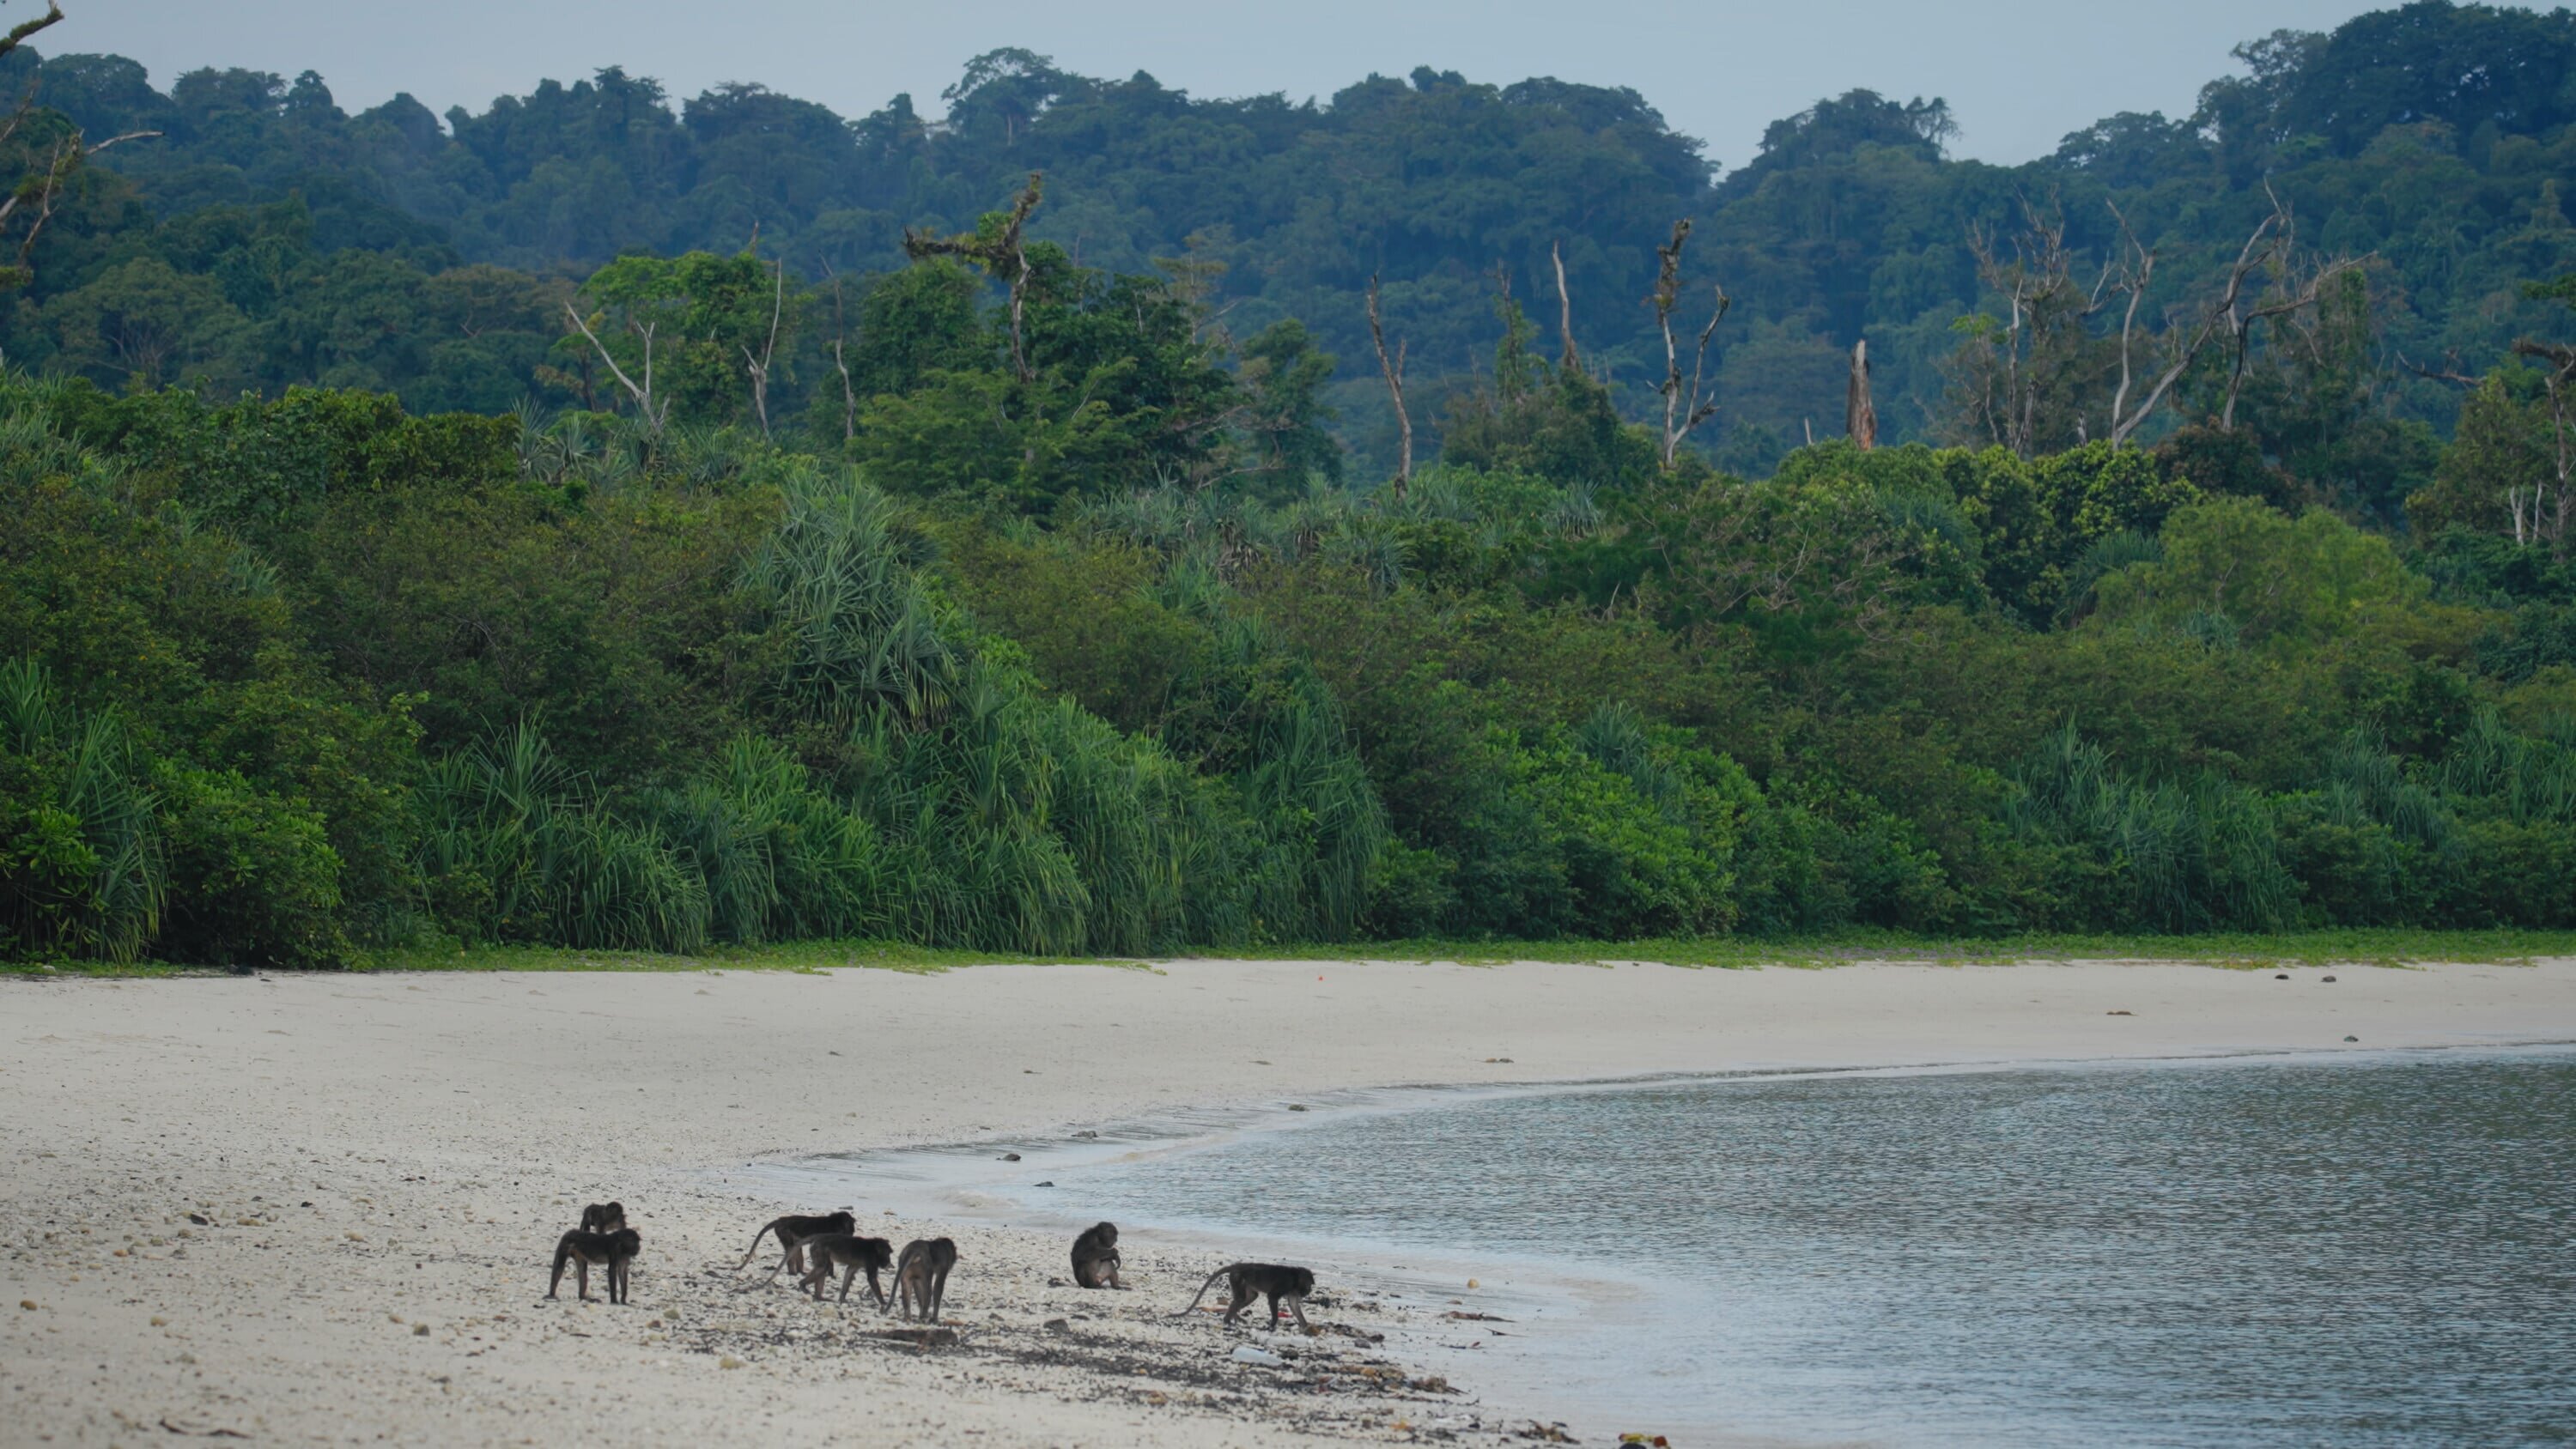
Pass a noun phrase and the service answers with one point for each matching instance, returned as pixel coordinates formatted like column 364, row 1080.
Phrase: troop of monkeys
column 817, row 1247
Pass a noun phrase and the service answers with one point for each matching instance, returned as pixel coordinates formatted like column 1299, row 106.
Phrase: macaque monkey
column 1246, row 1281
column 850, row 1253
column 792, row 1232
column 921, row 1276
column 604, row 1217
column 1095, row 1257
column 614, row 1251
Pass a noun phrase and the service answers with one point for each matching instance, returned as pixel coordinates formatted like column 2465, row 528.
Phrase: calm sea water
column 2361, row 1251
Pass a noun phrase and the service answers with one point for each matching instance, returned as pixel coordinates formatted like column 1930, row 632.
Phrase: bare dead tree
column 2269, row 241
column 1860, row 415
column 654, row 414
column 1005, row 254
column 2137, row 272
column 33, row 197
column 758, row 367
column 840, row 332
column 2548, row 522
column 1683, row 411
column 2295, row 293
column 1393, row 367
column 1564, row 310
column 41, row 190
column 19, row 33
column 2047, row 316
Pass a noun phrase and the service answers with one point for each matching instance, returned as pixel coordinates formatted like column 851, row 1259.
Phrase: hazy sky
column 2018, row 73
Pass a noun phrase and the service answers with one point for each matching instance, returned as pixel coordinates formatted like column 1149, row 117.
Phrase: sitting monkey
column 1095, row 1257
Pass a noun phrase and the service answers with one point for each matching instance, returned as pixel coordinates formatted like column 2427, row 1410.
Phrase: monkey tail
column 754, row 1250
column 895, row 1289
column 1203, row 1288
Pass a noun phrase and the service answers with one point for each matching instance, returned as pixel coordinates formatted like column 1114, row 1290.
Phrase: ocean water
column 2362, row 1250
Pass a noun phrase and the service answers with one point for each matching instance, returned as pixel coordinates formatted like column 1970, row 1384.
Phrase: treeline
column 268, row 238
column 997, row 598
column 1068, row 661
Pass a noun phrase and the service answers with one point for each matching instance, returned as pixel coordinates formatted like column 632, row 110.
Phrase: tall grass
column 1009, row 821
column 83, row 868
column 838, row 576
column 2173, row 856
column 514, row 847
column 780, row 859
column 1316, row 821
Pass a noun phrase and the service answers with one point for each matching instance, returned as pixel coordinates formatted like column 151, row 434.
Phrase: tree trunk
column 1860, row 415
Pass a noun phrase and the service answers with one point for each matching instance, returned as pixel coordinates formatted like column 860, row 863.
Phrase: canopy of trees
column 426, row 536
column 268, row 238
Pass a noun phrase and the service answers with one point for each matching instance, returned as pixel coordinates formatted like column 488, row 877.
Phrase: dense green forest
column 591, row 524
column 266, row 238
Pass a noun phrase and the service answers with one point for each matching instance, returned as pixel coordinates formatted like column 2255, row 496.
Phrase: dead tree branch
column 18, row 34
column 1004, row 254
column 2562, row 373
column 1860, row 414
column 2448, row 372
column 45, row 188
column 2269, row 239
column 1683, row 411
column 653, row 414
column 2046, row 316
column 758, row 367
column 1564, row 310
column 1393, row 367
column 840, row 333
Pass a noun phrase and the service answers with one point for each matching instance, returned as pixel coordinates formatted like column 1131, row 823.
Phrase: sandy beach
column 382, row 1163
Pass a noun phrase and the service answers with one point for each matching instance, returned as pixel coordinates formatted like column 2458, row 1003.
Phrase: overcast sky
column 2018, row 73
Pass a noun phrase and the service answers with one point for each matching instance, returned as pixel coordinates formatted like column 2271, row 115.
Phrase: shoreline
column 442, row 1126
column 962, row 1182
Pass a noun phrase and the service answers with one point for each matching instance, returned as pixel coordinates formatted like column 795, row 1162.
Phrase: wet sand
column 377, row 1155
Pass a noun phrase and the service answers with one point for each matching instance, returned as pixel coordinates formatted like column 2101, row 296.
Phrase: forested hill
column 425, row 537
column 270, row 238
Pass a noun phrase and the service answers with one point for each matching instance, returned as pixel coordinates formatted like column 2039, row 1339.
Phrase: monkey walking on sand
column 792, row 1232
column 614, row 1251
column 850, row 1253
column 1246, row 1281
column 921, row 1277
column 1095, row 1257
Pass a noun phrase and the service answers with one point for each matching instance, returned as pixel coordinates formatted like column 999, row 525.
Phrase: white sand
column 406, row 1147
